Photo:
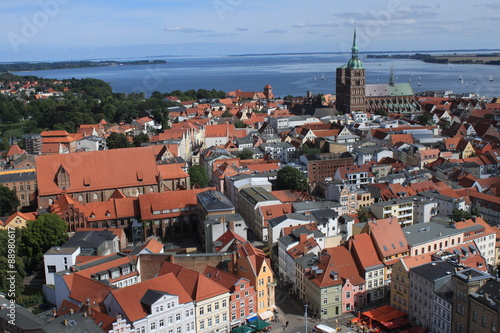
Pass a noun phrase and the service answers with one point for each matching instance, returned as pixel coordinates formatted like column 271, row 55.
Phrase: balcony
column 272, row 283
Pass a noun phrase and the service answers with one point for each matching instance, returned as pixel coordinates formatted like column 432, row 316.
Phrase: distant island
column 480, row 58
column 40, row 66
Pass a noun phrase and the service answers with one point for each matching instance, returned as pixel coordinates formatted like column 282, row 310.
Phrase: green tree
column 227, row 114
column 306, row 150
column 240, row 124
column 39, row 236
column 459, row 215
column 363, row 214
column 425, row 119
column 290, row 178
column 140, row 139
column 198, row 176
column 10, row 260
column 8, row 201
column 245, row 154
column 381, row 112
column 117, row 140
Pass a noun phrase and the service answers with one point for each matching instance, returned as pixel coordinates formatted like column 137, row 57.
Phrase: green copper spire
column 355, row 62
column 354, row 46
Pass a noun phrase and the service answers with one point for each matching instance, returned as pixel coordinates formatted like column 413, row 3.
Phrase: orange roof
column 15, row 150
column 171, row 171
column 170, row 200
column 365, row 250
column 272, row 211
column 153, row 246
column 53, row 133
column 129, row 298
column 225, row 279
column 388, row 237
column 197, row 285
column 406, row 138
column 414, row 261
column 83, row 288
column 95, row 170
column 344, row 264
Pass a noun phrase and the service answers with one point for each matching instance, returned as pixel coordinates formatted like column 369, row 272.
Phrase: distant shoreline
column 20, row 67
column 457, row 59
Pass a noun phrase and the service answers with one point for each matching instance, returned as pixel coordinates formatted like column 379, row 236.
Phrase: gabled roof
column 365, row 251
column 129, row 298
column 225, row 279
column 388, row 237
column 197, row 285
column 95, row 170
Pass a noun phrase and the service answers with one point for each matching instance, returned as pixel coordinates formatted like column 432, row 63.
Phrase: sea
column 288, row 74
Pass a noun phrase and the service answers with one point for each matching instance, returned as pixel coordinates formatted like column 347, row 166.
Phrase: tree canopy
column 8, row 201
column 10, row 260
column 245, row 154
column 117, row 140
column 39, row 236
column 198, row 176
column 290, row 178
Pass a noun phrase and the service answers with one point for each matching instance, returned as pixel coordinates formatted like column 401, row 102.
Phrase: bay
column 288, row 74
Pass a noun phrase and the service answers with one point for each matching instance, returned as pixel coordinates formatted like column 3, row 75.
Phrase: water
column 287, row 74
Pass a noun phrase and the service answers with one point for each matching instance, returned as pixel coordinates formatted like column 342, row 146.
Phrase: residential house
column 243, row 298
column 211, row 300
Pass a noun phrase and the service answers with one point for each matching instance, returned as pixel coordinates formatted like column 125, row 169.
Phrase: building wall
column 212, row 315
column 57, row 263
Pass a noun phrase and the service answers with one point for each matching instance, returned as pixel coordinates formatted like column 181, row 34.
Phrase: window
column 177, row 317
column 217, row 320
column 216, row 306
column 233, row 316
column 153, row 326
column 51, row 269
column 209, row 308
column 170, row 319
column 247, row 293
column 202, row 324
column 224, row 303
column 242, row 313
column 348, row 295
column 202, row 310
column 325, row 300
column 209, row 322
column 179, row 330
column 161, row 323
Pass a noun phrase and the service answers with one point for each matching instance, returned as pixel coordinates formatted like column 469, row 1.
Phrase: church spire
column 354, row 46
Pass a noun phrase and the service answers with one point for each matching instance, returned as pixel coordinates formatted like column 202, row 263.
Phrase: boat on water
column 315, row 79
column 323, row 77
column 460, row 78
column 490, row 78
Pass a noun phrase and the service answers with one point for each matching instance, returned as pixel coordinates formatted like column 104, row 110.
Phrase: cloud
column 221, row 34
column 242, row 29
column 315, row 25
column 403, row 16
column 491, row 5
column 275, row 31
column 186, row 30
column 420, row 7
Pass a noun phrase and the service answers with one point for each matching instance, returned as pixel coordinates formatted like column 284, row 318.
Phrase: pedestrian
column 286, row 324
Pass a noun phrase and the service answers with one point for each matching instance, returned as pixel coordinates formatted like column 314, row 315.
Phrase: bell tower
column 351, row 83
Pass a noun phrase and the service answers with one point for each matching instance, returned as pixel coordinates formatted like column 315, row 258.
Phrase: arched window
column 22, row 196
column 96, row 196
column 51, row 201
column 80, row 197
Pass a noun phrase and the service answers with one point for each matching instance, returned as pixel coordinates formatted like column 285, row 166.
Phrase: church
column 353, row 94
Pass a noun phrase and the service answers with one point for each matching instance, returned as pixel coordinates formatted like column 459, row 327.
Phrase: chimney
column 303, row 238
column 54, row 312
column 231, row 225
column 65, row 322
column 71, row 311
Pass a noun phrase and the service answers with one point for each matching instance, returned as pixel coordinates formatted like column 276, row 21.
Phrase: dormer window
column 62, row 177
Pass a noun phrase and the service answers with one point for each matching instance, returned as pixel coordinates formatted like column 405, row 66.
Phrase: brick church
column 353, row 94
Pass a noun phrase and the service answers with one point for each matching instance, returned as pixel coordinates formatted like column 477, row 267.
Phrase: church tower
column 268, row 91
column 351, row 81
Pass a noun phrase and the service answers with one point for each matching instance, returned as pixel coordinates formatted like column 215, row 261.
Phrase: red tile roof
column 129, row 298
column 388, row 237
column 197, row 285
column 365, row 250
column 116, row 168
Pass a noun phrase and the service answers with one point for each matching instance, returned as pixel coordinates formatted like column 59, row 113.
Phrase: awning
column 266, row 315
column 243, row 329
column 252, row 319
column 258, row 324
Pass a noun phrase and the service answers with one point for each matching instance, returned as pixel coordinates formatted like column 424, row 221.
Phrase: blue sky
column 51, row 30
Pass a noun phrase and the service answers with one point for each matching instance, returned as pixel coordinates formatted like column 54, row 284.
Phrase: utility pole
column 305, row 315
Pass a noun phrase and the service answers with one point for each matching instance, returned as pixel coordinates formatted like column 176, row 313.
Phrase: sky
column 54, row 30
